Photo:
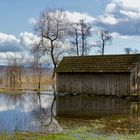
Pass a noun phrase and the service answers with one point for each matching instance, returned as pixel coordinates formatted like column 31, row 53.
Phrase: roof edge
column 106, row 55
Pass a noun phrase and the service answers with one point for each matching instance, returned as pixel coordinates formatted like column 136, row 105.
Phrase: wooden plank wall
column 135, row 80
column 94, row 83
column 138, row 78
column 72, row 106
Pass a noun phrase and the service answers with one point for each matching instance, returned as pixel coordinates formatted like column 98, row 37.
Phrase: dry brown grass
column 29, row 83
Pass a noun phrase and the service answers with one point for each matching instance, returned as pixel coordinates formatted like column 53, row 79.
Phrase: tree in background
column 130, row 51
column 74, row 34
column 105, row 40
column 79, row 33
column 37, row 64
column 85, row 33
column 51, row 27
column 14, row 71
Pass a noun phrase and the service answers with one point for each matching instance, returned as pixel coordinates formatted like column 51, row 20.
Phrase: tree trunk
column 77, row 48
column 77, row 45
column 54, row 68
column 102, row 51
column 103, row 48
column 53, row 59
column 39, row 78
column 83, row 46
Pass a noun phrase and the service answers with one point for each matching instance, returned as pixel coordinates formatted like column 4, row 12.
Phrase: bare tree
column 79, row 33
column 85, row 32
column 14, row 71
column 52, row 26
column 37, row 64
column 75, row 38
column 105, row 40
column 130, row 51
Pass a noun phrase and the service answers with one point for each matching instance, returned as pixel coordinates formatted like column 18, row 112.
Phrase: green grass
column 77, row 134
column 61, row 136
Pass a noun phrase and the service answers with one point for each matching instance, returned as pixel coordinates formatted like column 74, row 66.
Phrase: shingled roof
column 98, row 63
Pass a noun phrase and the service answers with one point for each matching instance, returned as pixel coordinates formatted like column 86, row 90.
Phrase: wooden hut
column 99, row 75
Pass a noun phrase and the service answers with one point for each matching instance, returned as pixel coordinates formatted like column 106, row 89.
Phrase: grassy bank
column 83, row 129
column 80, row 134
column 117, row 128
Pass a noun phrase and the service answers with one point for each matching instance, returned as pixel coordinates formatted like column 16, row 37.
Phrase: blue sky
column 15, row 13
column 120, row 17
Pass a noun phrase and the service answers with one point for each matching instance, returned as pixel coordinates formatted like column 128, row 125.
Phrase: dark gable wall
column 94, row 83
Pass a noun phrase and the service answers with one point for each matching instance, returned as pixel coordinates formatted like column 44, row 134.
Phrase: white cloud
column 131, row 4
column 121, row 16
column 76, row 16
column 27, row 40
column 72, row 17
column 9, row 43
column 108, row 19
column 110, row 7
column 116, row 35
column 32, row 21
column 5, row 37
column 109, row 16
column 131, row 14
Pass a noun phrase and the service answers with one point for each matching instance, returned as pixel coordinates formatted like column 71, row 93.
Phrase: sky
column 120, row 17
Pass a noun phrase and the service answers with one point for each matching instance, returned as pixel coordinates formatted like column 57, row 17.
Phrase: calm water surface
column 34, row 112
column 25, row 112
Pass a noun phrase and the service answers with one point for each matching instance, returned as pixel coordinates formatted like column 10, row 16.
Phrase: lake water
column 25, row 112
column 34, row 112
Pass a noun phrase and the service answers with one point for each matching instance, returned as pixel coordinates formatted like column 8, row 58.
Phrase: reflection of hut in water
column 97, row 112
column 99, row 75
column 69, row 105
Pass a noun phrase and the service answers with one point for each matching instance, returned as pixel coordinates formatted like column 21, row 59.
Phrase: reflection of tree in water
column 27, row 112
column 45, row 116
column 35, row 112
column 11, row 114
column 13, row 99
column 21, row 100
